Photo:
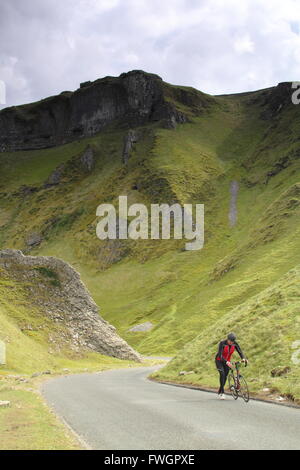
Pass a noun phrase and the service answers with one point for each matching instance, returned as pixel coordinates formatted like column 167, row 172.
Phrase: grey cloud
column 219, row 47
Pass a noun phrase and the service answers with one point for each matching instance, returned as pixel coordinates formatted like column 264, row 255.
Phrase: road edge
column 81, row 441
column 39, row 391
column 212, row 390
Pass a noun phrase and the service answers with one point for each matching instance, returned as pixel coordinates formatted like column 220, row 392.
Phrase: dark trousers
column 223, row 371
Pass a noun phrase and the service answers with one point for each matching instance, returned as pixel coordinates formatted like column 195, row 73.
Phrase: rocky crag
column 56, row 290
column 135, row 98
column 129, row 101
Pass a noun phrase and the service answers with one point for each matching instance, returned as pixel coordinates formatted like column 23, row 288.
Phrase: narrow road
column 121, row 409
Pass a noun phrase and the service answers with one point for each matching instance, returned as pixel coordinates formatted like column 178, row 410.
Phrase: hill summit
column 130, row 100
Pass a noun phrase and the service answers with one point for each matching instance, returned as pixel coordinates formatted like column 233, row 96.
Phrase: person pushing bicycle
column 226, row 348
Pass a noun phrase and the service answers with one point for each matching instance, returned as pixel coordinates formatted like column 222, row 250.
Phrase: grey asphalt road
column 123, row 410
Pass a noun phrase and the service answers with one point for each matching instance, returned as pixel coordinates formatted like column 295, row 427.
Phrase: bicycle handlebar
column 241, row 362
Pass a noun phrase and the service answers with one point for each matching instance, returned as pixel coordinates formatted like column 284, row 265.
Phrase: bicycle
column 237, row 383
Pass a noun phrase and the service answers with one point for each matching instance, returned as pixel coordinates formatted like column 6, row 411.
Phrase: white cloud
column 220, row 47
column 243, row 45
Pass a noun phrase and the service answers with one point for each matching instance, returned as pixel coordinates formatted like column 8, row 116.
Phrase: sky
column 217, row 46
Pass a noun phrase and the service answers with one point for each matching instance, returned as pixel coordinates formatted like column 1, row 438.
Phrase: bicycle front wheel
column 243, row 390
column 231, row 384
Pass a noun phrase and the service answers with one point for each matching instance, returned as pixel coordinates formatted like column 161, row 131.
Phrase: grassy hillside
column 251, row 139
column 268, row 324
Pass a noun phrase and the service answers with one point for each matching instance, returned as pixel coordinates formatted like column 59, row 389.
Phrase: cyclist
column 225, row 351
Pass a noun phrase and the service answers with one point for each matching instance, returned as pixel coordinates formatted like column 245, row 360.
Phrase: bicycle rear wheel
column 231, row 383
column 244, row 391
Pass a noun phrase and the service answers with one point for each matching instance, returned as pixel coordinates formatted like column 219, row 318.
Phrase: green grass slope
column 249, row 138
column 268, row 325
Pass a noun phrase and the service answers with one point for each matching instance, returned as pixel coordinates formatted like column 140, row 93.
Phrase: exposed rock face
column 147, row 326
column 87, row 159
column 84, row 163
column 57, row 290
column 34, row 239
column 133, row 99
column 274, row 100
column 55, row 177
column 280, row 96
column 27, row 190
column 130, row 139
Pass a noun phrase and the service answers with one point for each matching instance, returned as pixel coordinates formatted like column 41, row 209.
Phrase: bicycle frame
column 237, row 376
column 237, row 387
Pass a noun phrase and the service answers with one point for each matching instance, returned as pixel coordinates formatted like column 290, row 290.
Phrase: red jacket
column 225, row 351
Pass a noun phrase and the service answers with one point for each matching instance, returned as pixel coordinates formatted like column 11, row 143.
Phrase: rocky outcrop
column 131, row 100
column 56, row 289
column 142, row 327
column 130, row 139
column 34, row 239
column 273, row 100
column 55, row 177
column 87, row 159
column 79, row 166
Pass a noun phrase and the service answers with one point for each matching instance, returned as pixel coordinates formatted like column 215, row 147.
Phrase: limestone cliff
column 133, row 99
column 56, row 290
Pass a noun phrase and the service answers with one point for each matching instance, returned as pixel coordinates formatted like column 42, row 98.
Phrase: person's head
column 231, row 338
